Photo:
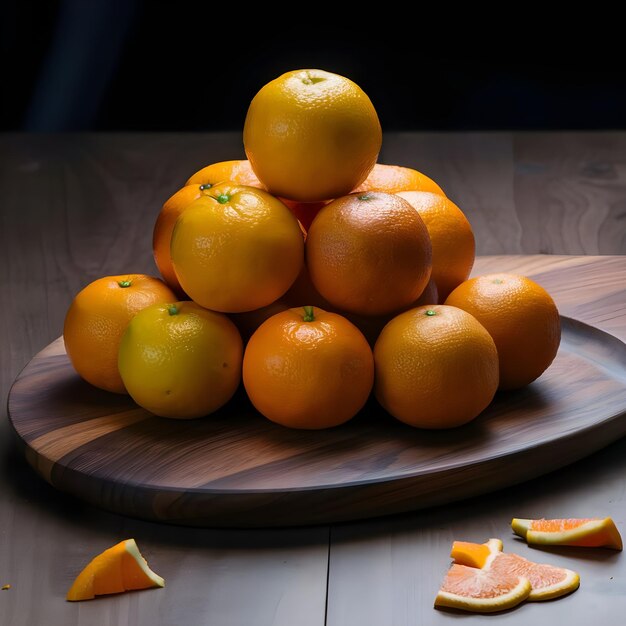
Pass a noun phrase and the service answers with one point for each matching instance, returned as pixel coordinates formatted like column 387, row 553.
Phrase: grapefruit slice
column 546, row 581
column 481, row 590
column 120, row 568
column 593, row 532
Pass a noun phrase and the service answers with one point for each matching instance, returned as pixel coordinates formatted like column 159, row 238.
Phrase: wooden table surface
column 76, row 207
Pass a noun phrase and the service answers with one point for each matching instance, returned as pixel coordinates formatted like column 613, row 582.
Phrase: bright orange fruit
column 593, row 532
column 120, row 568
column 97, row 318
column 521, row 317
column 451, row 237
column 311, row 135
column 395, row 178
column 306, row 368
column 237, row 249
column 369, row 253
column 436, row 367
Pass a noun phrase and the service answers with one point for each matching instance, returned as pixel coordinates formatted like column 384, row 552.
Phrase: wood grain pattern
column 76, row 207
column 238, row 469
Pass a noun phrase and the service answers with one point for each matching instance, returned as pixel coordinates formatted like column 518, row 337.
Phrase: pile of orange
column 317, row 276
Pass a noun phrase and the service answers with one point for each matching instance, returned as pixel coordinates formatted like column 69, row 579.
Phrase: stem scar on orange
column 97, row 318
column 306, row 368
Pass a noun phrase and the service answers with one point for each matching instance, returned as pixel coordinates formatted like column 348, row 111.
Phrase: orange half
column 120, row 568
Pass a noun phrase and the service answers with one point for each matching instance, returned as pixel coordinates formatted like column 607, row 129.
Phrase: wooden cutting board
column 235, row 468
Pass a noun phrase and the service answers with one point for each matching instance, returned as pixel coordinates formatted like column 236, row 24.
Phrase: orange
column 521, row 317
column 180, row 360
column 236, row 249
column 249, row 321
column 395, row 178
column 369, row 253
column 547, row 581
column 311, row 135
column 120, row 568
column 96, row 320
column 436, row 367
column 481, row 590
column 451, row 237
column 239, row 172
column 591, row 532
column 306, row 368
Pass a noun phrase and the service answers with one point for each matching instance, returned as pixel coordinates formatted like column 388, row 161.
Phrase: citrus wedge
column 120, row 568
column 594, row 532
column 546, row 581
column 481, row 590
column 475, row 554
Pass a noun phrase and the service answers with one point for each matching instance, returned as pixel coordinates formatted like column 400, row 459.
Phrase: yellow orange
column 237, row 249
column 311, row 135
column 180, row 360
column 97, row 318
column 451, row 237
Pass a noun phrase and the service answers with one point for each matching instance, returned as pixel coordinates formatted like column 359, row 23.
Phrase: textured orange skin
column 369, row 253
column 97, row 318
column 436, row 371
column 311, row 135
column 113, row 571
column 240, row 255
column 238, row 171
column 308, row 375
column 249, row 321
column 395, row 178
column 521, row 317
column 450, row 235
column 182, row 365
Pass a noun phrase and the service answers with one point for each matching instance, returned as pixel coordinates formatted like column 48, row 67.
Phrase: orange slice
column 120, row 568
column 481, row 590
column 594, row 532
column 546, row 581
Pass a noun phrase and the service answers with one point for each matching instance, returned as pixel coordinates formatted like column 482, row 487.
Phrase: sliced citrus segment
column 546, row 581
column 120, row 568
column 481, row 590
column 594, row 532
column 475, row 554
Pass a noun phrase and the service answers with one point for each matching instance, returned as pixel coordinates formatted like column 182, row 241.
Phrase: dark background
column 186, row 66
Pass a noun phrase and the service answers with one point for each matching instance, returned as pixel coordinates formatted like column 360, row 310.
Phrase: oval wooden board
column 237, row 469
